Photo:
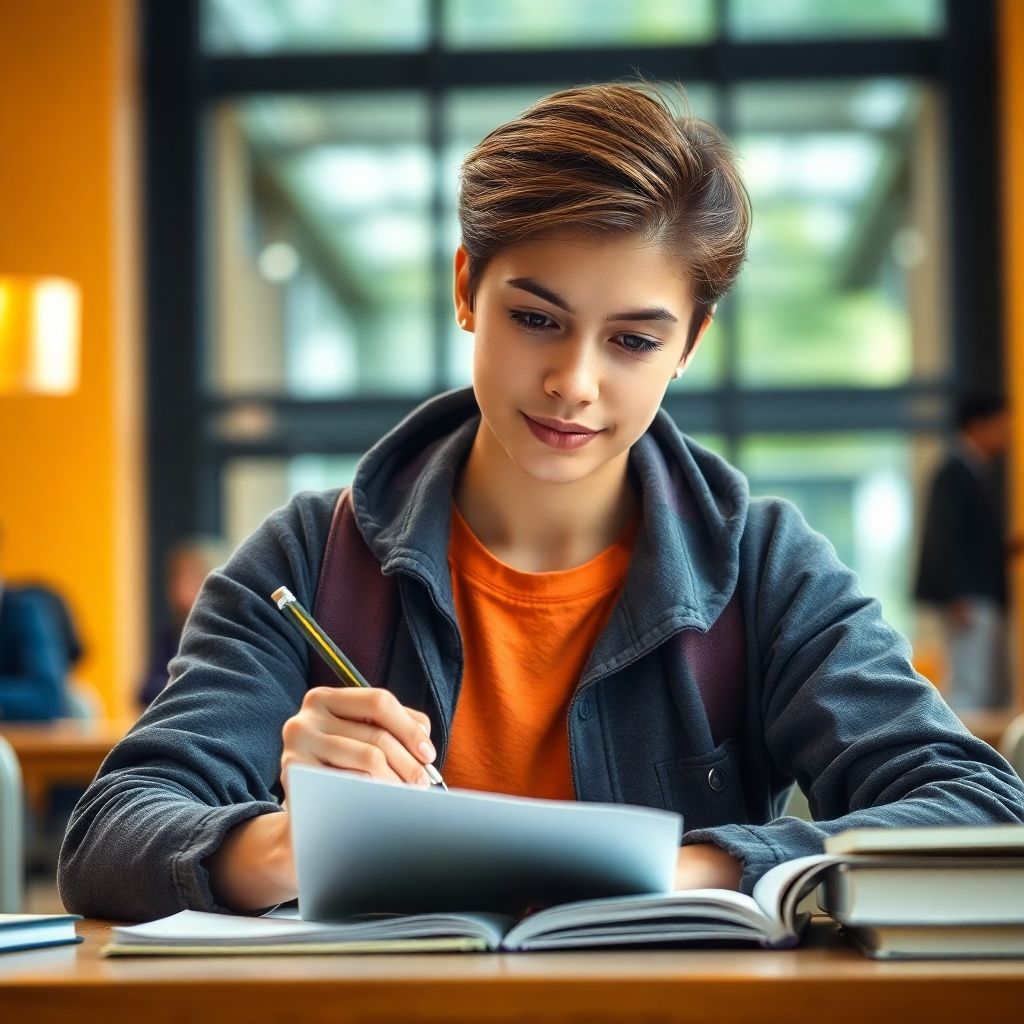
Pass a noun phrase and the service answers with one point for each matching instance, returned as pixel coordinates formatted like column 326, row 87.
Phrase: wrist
column 706, row 866
column 254, row 866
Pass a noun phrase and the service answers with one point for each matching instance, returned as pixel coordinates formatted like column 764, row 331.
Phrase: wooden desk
column 67, row 751
column 825, row 981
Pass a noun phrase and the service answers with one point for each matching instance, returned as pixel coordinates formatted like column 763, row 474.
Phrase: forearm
column 254, row 866
column 138, row 848
column 976, row 799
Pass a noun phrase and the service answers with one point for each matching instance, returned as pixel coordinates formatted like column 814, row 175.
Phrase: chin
column 548, row 474
column 554, row 469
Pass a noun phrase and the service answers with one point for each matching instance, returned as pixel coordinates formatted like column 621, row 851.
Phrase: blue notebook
column 34, row 931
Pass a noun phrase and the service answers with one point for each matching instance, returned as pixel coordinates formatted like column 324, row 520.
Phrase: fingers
column 371, row 750
column 376, row 707
column 365, row 730
column 420, row 717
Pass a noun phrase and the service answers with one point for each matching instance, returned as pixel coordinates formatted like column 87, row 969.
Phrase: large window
column 846, row 254
column 311, row 184
column 321, row 237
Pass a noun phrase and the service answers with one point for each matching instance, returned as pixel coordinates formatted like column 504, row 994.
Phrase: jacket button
column 585, row 708
column 717, row 779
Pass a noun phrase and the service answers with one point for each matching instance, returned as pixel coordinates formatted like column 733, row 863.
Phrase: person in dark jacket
column 591, row 605
column 963, row 559
column 187, row 566
column 34, row 656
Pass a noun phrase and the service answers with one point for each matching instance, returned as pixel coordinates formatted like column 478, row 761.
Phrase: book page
column 197, row 928
column 427, row 945
column 676, row 916
column 778, row 891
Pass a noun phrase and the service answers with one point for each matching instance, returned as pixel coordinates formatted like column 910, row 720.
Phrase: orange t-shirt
column 527, row 637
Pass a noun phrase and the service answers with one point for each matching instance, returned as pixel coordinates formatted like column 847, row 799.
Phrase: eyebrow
column 528, row 284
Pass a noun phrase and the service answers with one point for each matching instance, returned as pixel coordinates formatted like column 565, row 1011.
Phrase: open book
column 769, row 918
column 395, row 868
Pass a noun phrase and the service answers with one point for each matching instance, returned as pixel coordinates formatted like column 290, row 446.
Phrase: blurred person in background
column 962, row 566
column 187, row 566
column 34, row 654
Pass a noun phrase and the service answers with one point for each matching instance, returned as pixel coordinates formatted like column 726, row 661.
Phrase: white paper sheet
column 365, row 846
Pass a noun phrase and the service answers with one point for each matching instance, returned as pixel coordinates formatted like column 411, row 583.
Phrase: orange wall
column 1011, row 40
column 70, row 467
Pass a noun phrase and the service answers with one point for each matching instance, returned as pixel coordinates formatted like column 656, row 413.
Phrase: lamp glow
column 39, row 335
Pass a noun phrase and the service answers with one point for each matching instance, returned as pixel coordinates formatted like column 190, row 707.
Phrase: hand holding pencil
column 358, row 727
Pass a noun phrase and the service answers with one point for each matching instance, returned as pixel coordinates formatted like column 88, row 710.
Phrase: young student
column 591, row 605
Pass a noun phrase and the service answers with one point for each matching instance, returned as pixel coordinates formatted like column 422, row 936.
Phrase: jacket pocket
column 706, row 790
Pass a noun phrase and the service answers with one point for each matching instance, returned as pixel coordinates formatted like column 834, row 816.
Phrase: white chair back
column 12, row 830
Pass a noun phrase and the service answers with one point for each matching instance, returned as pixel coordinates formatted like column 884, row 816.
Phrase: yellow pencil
column 314, row 635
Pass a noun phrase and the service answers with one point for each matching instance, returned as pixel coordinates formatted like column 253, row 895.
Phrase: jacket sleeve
column 205, row 755
column 35, row 690
column 870, row 742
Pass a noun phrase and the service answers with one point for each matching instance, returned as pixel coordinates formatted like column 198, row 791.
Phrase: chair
column 1011, row 745
column 12, row 827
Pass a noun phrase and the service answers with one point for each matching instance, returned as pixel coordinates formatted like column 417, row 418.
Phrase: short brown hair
column 610, row 159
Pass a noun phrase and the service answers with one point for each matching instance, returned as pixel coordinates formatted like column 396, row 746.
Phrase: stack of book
column 929, row 892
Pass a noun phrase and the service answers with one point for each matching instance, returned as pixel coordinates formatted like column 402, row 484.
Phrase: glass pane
column 845, row 282
column 860, row 491
column 715, row 442
column 254, row 487
column 504, row 24
column 758, row 19
column 289, row 26
column 321, row 243
column 469, row 114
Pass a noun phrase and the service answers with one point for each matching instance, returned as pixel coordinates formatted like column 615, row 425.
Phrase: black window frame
column 187, row 451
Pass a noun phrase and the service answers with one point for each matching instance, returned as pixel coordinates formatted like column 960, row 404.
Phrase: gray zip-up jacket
column 820, row 688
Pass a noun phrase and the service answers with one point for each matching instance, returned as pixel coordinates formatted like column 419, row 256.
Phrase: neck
column 538, row 526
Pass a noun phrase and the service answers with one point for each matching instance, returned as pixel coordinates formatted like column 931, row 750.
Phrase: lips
column 562, row 426
column 560, row 433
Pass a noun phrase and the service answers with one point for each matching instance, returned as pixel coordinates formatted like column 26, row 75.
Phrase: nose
column 574, row 374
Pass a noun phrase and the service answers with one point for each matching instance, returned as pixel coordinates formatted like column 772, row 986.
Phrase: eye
column 530, row 320
column 636, row 345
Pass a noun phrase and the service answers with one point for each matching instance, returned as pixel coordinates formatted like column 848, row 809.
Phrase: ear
column 686, row 360
column 463, row 303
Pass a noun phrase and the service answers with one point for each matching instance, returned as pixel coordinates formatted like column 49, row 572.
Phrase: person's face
column 991, row 433
column 997, row 432
column 185, row 576
column 575, row 343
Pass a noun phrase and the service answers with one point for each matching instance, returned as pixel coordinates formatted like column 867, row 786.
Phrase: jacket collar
column 686, row 556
